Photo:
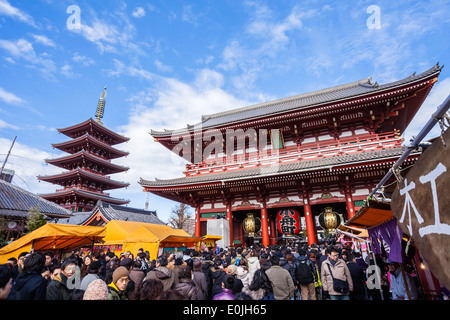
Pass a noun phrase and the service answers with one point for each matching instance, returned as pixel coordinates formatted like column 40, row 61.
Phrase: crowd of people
column 279, row 272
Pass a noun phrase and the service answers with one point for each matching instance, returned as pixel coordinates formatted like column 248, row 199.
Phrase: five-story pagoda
column 88, row 164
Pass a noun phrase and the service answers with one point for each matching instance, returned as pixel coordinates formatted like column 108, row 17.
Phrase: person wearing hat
column 96, row 290
column 161, row 272
column 117, row 288
column 232, row 270
column 92, row 274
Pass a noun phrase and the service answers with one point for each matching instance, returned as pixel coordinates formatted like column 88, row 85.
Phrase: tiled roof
column 334, row 94
column 88, row 139
column 86, row 125
column 59, row 162
column 286, row 168
column 115, row 212
column 15, row 201
column 70, row 175
column 82, row 193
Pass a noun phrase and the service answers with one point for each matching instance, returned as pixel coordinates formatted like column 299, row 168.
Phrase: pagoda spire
column 101, row 106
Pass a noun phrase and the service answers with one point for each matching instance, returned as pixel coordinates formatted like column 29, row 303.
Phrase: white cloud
column 28, row 163
column 112, row 33
column 5, row 125
column 188, row 15
column 267, row 45
column 168, row 104
column 10, row 98
column 100, row 33
column 44, row 40
column 23, row 49
column 162, row 67
column 86, row 61
column 19, row 48
column 138, row 12
column 66, row 70
column 7, row 9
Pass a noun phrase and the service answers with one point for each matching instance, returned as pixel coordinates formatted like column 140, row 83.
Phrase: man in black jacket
column 58, row 288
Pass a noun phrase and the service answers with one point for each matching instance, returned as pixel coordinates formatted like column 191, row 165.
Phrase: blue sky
column 165, row 63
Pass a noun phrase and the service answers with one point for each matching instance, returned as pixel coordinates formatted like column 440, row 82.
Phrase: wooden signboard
column 421, row 205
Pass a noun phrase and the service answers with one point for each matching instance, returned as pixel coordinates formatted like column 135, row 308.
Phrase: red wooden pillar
column 197, row 221
column 273, row 232
column 264, row 225
column 230, row 222
column 310, row 225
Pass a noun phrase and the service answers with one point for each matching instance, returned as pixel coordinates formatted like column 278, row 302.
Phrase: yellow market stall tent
column 123, row 236
column 52, row 236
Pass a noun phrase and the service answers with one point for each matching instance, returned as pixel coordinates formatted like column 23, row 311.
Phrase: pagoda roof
column 114, row 168
column 352, row 90
column 87, row 138
column 15, row 201
column 69, row 175
column 92, row 125
column 328, row 163
column 114, row 212
column 83, row 194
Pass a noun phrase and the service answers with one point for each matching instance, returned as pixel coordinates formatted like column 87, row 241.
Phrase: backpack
column 237, row 261
column 303, row 272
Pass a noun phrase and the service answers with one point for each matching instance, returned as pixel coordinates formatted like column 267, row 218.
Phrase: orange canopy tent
column 53, row 236
column 130, row 236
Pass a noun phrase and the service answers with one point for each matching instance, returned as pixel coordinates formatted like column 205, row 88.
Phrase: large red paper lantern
column 288, row 221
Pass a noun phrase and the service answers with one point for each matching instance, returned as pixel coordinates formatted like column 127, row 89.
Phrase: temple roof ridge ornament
column 101, row 106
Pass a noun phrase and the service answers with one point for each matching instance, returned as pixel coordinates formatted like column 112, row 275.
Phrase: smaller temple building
column 104, row 212
column 88, row 164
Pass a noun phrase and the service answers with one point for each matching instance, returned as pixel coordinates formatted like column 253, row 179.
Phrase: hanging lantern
column 288, row 221
column 252, row 225
column 329, row 220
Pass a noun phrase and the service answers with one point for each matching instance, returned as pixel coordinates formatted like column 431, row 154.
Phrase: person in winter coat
column 281, row 280
column 30, row 285
column 199, row 278
column 186, row 286
column 58, row 288
column 226, row 293
column 137, row 274
column 260, row 288
column 117, row 288
column 162, row 273
column 92, row 274
column 253, row 262
column 339, row 270
column 218, row 274
column 398, row 287
column 243, row 274
column 288, row 263
column 358, row 278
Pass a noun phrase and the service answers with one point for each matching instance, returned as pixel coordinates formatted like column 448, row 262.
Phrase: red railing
column 307, row 151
